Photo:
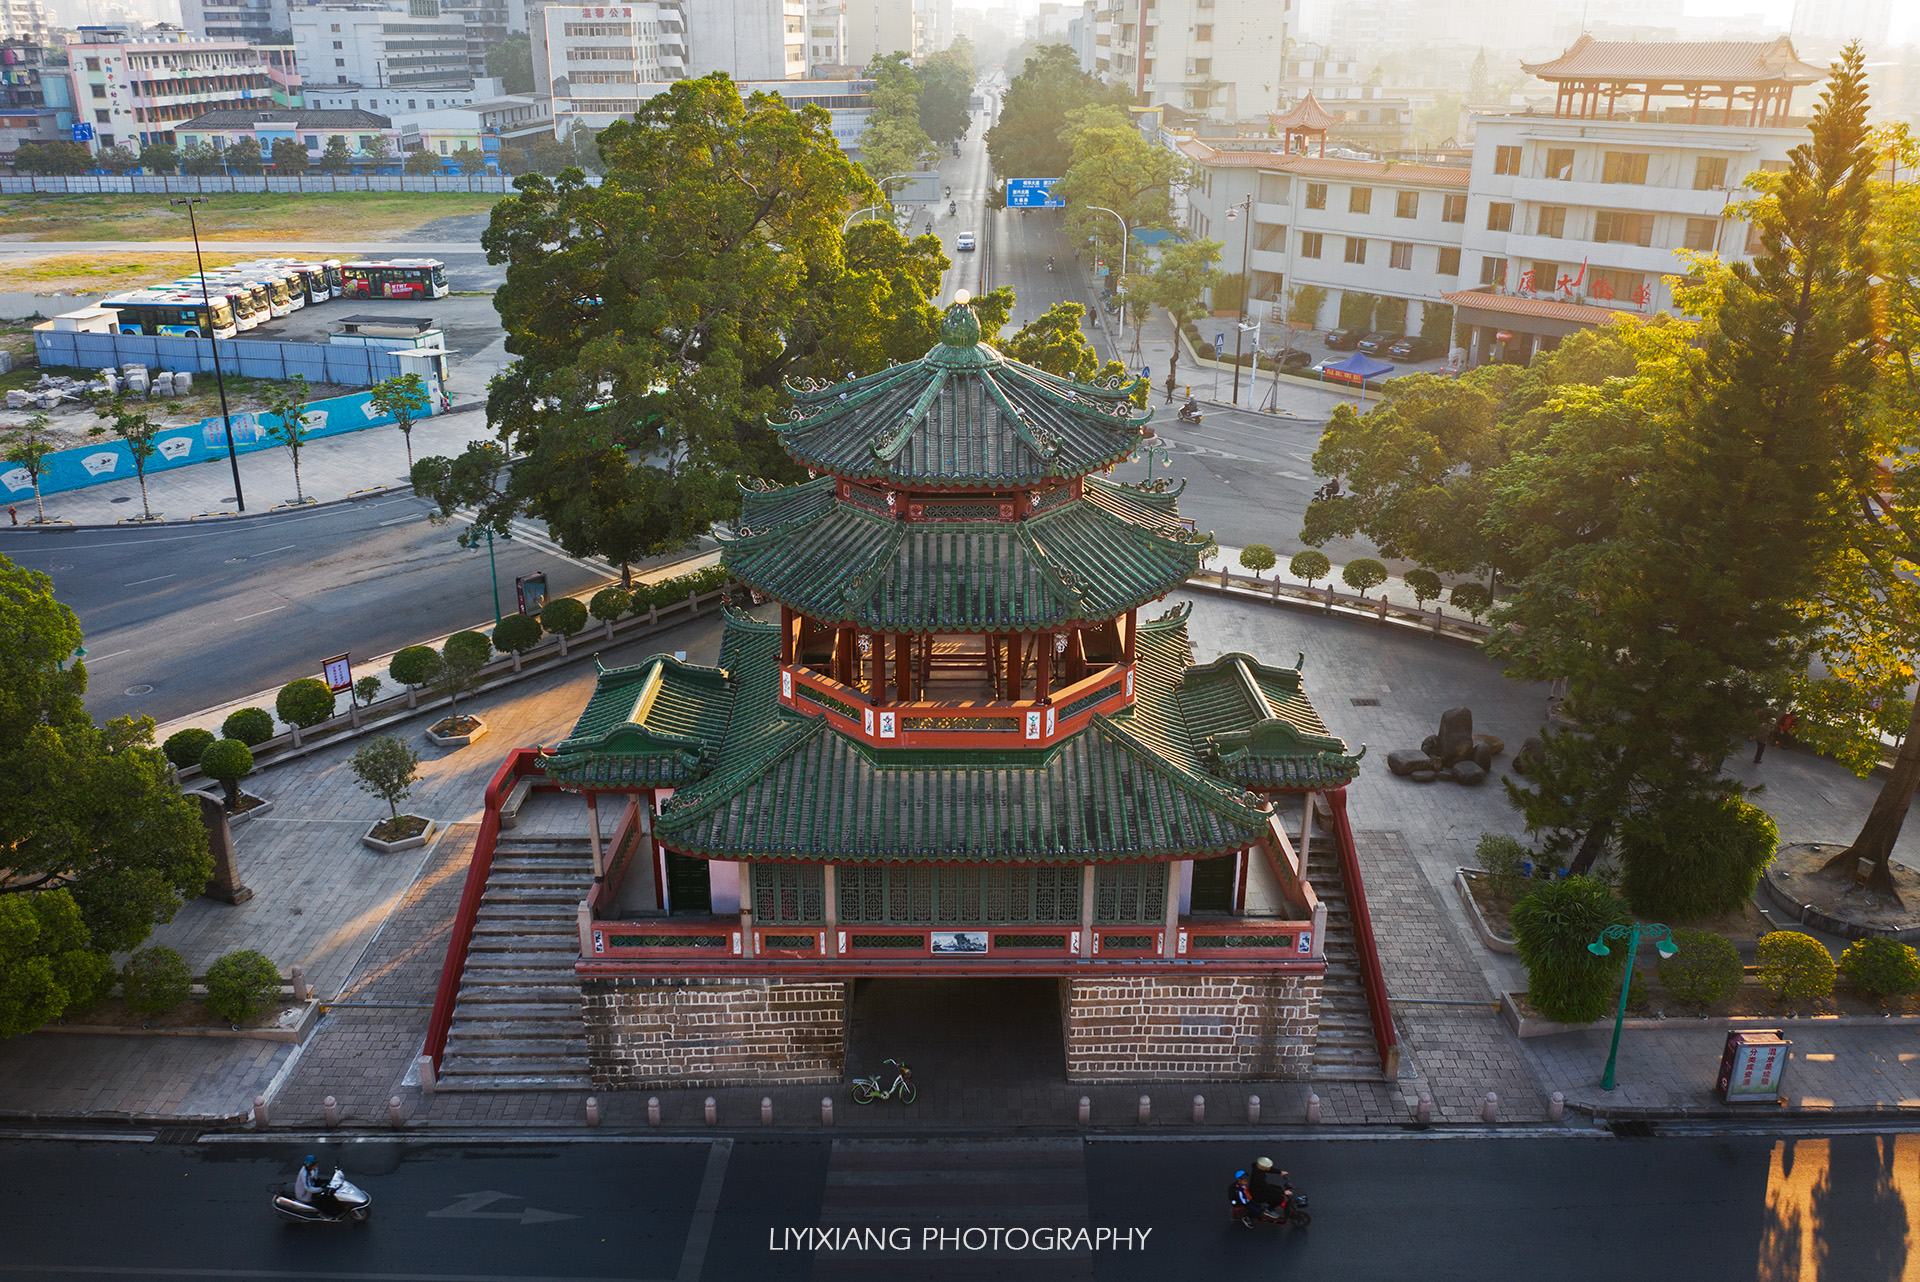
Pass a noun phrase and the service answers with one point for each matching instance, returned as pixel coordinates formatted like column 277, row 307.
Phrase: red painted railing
column 519, row 763
column 1371, row 976
column 621, row 849
column 994, row 723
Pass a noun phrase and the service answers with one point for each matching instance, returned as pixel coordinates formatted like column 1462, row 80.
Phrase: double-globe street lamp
column 1662, row 943
column 213, row 340
column 1240, row 320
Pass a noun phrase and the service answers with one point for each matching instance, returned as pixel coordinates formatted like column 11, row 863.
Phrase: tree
column 1053, row 341
column 46, row 962
column 305, row 701
column 542, row 154
column 27, row 447
column 139, row 431
column 1309, row 564
column 1424, row 584
column 1304, row 303
column 1257, row 557
column 894, row 142
column 242, row 984
column 510, row 61
column 1356, row 309
column 423, row 162
column 387, row 768
column 414, row 665
column 1182, row 277
column 1026, row 142
column 183, row 747
column 250, row 726
column 289, row 158
column 199, row 160
column 56, row 159
column 458, row 671
column 946, row 92
column 336, row 157
column 228, row 761
column 287, row 404
column 1363, row 574
column 516, row 634
column 401, row 398
column 1111, row 165
column 159, row 158
column 1479, row 86
column 243, row 157
column 469, row 160
column 1552, row 927
column 563, row 616
column 117, row 159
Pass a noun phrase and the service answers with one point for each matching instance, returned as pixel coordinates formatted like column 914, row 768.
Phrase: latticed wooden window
column 958, row 896
column 789, row 894
column 1129, row 893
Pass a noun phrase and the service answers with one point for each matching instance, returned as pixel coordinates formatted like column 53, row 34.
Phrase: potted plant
column 457, row 673
column 388, row 768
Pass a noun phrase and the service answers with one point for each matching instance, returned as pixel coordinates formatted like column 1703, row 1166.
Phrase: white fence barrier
column 256, row 358
column 181, row 184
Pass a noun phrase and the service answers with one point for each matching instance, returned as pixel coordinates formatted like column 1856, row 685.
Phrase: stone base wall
column 1211, row 1028
column 715, row 1032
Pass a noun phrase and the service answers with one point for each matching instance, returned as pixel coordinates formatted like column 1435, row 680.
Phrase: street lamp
column 1240, row 322
column 213, row 339
column 1100, row 209
column 1151, row 450
column 1663, row 944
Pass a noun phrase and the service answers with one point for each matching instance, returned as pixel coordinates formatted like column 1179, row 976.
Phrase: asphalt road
column 1701, row 1209
column 178, row 618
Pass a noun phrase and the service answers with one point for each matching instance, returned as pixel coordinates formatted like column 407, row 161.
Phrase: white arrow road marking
column 468, row 1208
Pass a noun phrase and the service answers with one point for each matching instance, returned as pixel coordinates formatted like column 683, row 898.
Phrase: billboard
column 921, row 188
column 1033, row 193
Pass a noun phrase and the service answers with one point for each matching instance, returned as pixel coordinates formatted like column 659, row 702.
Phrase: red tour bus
column 398, row 278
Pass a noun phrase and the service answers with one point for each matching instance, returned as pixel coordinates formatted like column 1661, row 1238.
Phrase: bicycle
column 867, row 1089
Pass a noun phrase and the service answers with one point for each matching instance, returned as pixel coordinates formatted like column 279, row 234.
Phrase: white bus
column 177, row 314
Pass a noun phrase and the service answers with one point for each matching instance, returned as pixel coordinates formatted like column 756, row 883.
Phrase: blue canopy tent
column 1356, row 369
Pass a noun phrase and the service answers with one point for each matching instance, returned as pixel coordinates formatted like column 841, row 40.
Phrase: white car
column 964, row 244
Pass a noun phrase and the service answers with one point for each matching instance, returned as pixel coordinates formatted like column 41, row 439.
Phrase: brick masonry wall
column 1215, row 1028
column 715, row 1032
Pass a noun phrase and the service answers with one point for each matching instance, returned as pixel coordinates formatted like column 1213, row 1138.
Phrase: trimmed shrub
column 1425, row 586
column 1309, row 565
column 304, row 702
column 1474, row 598
column 610, row 604
column 366, row 690
column 563, row 615
column 415, row 665
column 249, row 725
column 517, row 634
column 1705, row 970
column 472, row 644
column 1500, row 857
column 1362, row 573
column 229, row 761
column 1696, row 856
column 241, row 985
column 1794, row 967
column 155, row 981
column 1552, row 927
column 1257, row 557
column 183, row 747
column 387, row 768
column 1881, row 967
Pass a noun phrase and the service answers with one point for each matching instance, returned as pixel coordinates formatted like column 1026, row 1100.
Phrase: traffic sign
column 1033, row 193
column 1146, row 372
column 1219, row 341
column 922, row 188
column 82, row 131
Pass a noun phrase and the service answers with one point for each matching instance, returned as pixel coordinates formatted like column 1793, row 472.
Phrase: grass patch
column 93, row 273
column 236, row 216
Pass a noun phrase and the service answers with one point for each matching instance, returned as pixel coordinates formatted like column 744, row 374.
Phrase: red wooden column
column 1133, row 629
column 1043, row 670
column 1013, row 653
column 877, row 668
column 786, row 635
column 844, row 654
column 902, row 666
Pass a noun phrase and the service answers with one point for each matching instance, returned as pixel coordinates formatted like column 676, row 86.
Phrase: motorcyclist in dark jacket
column 1269, row 1187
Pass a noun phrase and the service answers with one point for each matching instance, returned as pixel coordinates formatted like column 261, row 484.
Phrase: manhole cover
column 124, row 498
column 55, row 569
column 231, row 498
column 1364, row 703
column 235, row 560
column 139, row 690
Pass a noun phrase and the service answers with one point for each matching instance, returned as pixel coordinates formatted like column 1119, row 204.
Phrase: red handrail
column 1371, row 976
column 519, row 762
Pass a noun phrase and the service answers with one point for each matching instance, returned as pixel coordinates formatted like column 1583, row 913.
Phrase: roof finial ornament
column 960, row 327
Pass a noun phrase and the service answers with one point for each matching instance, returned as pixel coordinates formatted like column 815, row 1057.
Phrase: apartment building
column 826, row 35
column 1564, row 219
column 1221, row 59
column 253, row 20
column 847, row 102
column 748, row 39
column 136, row 89
column 601, row 61
column 879, row 27
column 364, row 50
column 487, row 23
column 24, row 20
column 34, row 106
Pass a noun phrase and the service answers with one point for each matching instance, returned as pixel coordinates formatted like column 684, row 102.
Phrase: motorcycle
column 1049, row 265
column 953, row 207
column 351, row 1203
column 1292, row 1208
column 1331, row 490
column 1189, row 413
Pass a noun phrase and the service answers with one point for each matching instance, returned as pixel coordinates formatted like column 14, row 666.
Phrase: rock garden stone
column 1468, row 773
column 1423, row 776
column 1482, row 755
column 1456, row 735
column 1531, row 753
column 1495, row 744
column 1431, row 745
column 1404, row 762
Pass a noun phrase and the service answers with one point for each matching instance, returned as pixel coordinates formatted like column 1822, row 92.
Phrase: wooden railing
column 959, row 724
column 1372, row 978
column 623, row 847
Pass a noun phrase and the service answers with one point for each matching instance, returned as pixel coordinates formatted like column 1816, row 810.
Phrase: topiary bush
column 1695, row 856
column 1474, row 598
column 249, row 725
column 1424, row 584
column 610, row 604
column 305, row 701
column 1795, row 968
column 516, row 634
column 1309, row 564
column 1257, row 557
column 1501, row 858
column 1552, row 927
column 415, row 665
column 473, row 645
column 241, row 985
column 1881, row 967
column 563, row 615
column 1705, row 970
column 1362, row 573
column 229, row 761
column 183, row 747
column 155, row 981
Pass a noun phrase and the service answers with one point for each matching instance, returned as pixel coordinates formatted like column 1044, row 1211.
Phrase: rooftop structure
column 1594, row 76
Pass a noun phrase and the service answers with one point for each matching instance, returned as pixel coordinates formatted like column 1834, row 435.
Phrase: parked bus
column 313, row 279
column 262, row 291
column 282, row 269
column 177, row 314
column 246, row 304
column 399, row 278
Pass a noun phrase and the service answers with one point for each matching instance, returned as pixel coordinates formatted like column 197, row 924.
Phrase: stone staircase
column 516, row 1023
column 1345, row 1049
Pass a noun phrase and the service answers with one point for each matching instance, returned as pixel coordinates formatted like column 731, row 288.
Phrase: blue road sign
column 1033, row 193
column 1219, row 341
column 82, row 132
column 1145, row 372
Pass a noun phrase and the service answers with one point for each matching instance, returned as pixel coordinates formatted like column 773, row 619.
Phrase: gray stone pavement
column 70, row 1075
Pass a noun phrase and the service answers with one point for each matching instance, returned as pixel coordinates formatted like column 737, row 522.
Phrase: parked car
column 1379, row 341
column 1345, row 339
column 965, row 243
column 1415, row 348
column 1295, row 359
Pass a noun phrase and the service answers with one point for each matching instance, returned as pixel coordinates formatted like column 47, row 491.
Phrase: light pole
column 1150, row 450
column 213, row 341
column 1123, row 236
column 1240, row 321
column 1663, row 944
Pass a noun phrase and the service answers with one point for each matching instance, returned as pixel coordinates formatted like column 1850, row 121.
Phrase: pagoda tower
column 965, row 745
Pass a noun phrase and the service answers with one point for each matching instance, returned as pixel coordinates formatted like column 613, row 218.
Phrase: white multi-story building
column 368, row 50
column 1217, row 58
column 1566, row 217
column 253, row 20
column 748, row 39
column 826, row 34
column 600, row 61
column 1830, row 23
column 847, row 102
column 24, row 20
column 133, row 90
column 878, row 27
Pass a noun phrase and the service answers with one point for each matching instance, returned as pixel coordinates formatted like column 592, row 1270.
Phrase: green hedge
column 672, row 591
column 241, row 985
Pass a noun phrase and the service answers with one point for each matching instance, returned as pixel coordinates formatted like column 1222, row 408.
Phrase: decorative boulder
column 182, row 382
column 1423, row 776
column 1495, row 744
column 1456, row 735
column 1531, row 753
column 1404, row 762
column 1431, row 745
column 1482, row 755
column 1466, row 772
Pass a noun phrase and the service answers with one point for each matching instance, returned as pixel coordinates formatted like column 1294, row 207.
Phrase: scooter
column 1189, row 413
column 352, row 1203
column 1049, row 266
column 953, row 207
column 1251, row 1215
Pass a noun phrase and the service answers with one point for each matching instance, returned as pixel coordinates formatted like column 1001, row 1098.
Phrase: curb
column 1342, row 608
column 222, row 518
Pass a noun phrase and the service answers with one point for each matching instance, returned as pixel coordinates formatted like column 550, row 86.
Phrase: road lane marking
column 98, row 658
column 256, row 614
column 271, row 551
column 693, row 1257
column 470, row 1207
column 155, row 579
column 401, row 520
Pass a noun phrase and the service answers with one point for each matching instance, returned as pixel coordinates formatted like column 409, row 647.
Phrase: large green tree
column 1112, row 166
column 894, row 141
column 1028, row 141
column 946, row 89
column 511, row 62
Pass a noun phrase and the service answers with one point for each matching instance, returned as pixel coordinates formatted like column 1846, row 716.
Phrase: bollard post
column 427, row 1080
column 1557, row 1107
column 713, row 1111
column 1199, row 1109
column 766, row 1110
column 653, row 1110
column 1146, row 1108
column 393, row 1111
column 1253, row 1110
column 301, row 989
column 330, row 1109
column 593, row 1111
column 826, row 1110
column 1086, row 1110
column 260, row 1112
column 1313, row 1109
column 1490, row 1111
column 1423, row 1111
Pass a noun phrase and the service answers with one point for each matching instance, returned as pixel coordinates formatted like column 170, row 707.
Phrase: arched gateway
column 961, row 750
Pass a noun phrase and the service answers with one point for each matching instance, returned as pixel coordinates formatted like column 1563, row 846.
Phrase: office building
column 136, row 89
column 258, row 21
column 366, row 50
column 1215, row 58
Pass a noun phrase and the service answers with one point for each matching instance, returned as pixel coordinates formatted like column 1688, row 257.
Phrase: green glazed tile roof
column 962, row 416
column 657, row 722
column 1084, row 561
column 1253, row 724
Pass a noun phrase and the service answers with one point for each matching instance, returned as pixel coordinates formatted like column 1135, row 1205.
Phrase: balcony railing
column 949, row 724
